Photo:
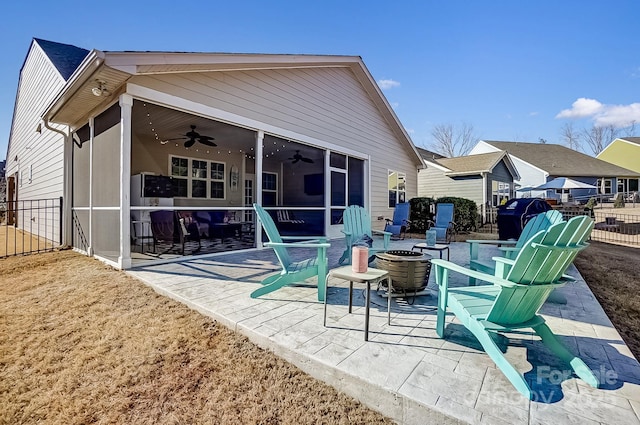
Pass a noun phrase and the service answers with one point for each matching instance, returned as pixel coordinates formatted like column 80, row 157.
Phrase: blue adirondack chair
column 515, row 294
column 357, row 222
column 400, row 222
column 443, row 223
column 292, row 271
column 539, row 222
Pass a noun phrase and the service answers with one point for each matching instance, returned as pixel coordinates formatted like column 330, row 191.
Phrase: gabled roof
column 65, row 57
column 558, row 160
column 635, row 140
column 476, row 164
column 429, row 155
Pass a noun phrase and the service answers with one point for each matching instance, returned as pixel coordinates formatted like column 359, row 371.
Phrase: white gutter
column 89, row 66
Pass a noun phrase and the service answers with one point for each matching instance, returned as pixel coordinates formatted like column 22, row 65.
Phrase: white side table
column 371, row 275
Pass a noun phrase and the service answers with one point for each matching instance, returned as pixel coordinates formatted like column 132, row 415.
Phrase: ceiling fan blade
column 295, row 160
column 189, row 143
column 207, row 141
column 308, row 160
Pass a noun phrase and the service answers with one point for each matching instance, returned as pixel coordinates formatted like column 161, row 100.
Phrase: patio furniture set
column 518, row 283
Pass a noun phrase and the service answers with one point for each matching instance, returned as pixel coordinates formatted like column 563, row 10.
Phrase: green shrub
column 420, row 213
column 591, row 203
column 465, row 212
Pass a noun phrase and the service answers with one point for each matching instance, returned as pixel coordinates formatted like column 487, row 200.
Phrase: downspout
column 67, row 183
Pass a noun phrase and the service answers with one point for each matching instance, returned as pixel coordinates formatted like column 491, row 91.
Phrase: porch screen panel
column 81, row 167
column 80, row 189
column 106, row 162
column 106, row 235
column 106, row 184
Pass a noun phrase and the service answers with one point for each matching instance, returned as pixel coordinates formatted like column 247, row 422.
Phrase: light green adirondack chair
column 357, row 222
column 292, row 272
column 517, row 291
column 541, row 221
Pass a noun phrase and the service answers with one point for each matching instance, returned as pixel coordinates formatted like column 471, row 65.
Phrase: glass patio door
column 347, row 188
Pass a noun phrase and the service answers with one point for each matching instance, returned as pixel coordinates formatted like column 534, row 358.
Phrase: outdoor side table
column 437, row 247
column 371, row 275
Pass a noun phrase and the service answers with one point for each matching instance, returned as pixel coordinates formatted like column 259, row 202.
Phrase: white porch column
column 258, row 188
column 126, row 105
column 327, row 192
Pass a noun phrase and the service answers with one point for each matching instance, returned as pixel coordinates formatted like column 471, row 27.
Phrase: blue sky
column 514, row 70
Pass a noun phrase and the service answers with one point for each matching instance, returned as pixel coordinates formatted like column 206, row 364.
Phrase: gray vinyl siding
column 328, row 104
column 501, row 174
column 434, row 184
column 39, row 155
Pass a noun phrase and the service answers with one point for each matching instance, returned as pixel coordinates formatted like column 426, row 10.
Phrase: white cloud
column 619, row 115
column 581, row 108
column 533, row 114
column 386, row 84
column 395, row 105
column 603, row 115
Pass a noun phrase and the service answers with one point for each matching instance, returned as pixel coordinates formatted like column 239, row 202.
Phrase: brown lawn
column 83, row 343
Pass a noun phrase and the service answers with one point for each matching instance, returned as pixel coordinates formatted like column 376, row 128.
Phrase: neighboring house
column 624, row 152
column 486, row 179
column 538, row 163
column 310, row 134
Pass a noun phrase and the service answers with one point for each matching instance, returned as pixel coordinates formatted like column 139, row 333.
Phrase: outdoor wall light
column 100, row 89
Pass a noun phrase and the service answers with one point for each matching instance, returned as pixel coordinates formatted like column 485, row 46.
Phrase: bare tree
column 450, row 141
column 630, row 130
column 570, row 136
column 542, row 141
column 597, row 138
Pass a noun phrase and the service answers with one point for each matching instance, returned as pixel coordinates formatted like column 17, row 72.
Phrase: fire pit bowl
column 408, row 270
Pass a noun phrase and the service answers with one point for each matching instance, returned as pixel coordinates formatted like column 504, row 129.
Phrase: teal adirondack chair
column 517, row 291
column 357, row 222
column 292, row 272
column 541, row 221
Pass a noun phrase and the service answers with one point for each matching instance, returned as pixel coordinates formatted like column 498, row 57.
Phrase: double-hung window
column 197, row 178
column 397, row 188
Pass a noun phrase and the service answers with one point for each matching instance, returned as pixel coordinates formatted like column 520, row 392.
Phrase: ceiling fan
column 193, row 136
column 297, row 157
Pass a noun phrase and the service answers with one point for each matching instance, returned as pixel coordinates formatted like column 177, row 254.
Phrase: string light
column 246, row 154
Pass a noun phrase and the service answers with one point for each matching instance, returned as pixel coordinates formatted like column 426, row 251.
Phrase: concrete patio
column 405, row 370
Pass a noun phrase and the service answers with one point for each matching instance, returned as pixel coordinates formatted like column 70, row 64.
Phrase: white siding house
column 530, row 175
column 301, row 133
column 34, row 166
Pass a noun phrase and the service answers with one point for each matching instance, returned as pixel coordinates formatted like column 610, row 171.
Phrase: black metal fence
column 30, row 226
column 611, row 226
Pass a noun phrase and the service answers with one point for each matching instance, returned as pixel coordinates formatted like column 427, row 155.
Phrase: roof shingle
column 560, row 161
column 65, row 57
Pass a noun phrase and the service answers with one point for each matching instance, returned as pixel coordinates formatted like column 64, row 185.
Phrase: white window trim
column 397, row 191
column 189, row 177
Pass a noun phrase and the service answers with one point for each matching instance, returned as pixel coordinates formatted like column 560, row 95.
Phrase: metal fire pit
column 409, row 270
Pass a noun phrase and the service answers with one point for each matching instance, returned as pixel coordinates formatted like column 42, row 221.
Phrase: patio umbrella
column 564, row 183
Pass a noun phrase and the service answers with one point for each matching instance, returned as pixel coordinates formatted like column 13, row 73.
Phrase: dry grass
column 83, row 343
column 613, row 274
column 15, row 241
